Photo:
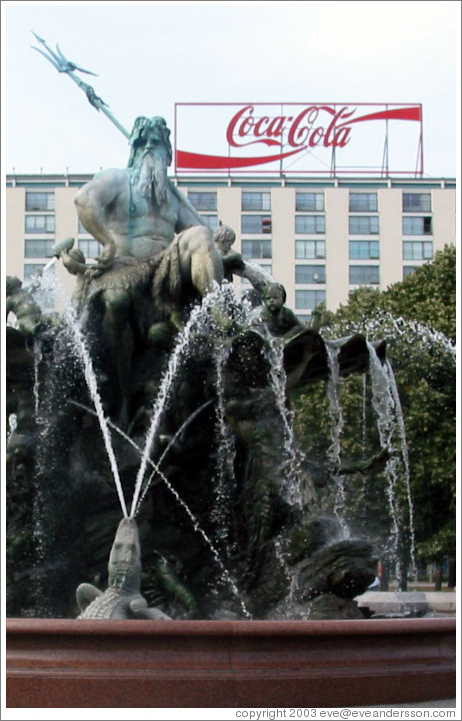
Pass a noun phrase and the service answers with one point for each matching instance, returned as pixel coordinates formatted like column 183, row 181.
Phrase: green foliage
column 429, row 294
column 417, row 317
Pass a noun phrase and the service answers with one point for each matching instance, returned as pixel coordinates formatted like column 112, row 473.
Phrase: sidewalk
column 419, row 603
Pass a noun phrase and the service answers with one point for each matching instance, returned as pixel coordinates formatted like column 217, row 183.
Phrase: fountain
column 205, row 450
column 157, row 409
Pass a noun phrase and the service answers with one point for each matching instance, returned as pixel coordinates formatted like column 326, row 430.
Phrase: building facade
column 320, row 238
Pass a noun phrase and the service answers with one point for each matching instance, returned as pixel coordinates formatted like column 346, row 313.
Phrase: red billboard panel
column 317, row 138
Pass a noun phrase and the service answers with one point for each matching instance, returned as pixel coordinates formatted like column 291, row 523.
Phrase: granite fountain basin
column 228, row 664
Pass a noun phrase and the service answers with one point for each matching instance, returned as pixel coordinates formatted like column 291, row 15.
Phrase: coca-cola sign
column 321, row 133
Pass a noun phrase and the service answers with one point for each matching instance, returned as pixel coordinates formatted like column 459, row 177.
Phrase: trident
column 63, row 65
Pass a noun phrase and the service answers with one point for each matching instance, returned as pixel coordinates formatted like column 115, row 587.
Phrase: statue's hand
column 63, row 246
column 94, row 272
column 107, row 256
column 104, row 262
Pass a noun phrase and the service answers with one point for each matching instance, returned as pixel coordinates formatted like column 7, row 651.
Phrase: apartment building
column 319, row 237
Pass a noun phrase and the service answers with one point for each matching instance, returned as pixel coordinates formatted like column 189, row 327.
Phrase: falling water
column 274, row 352
column 334, row 451
column 44, row 287
column 384, row 405
column 364, row 413
column 206, row 317
column 181, row 347
column 363, row 482
column 427, row 336
column 156, row 470
column 41, row 527
column 39, row 286
column 386, row 324
column 156, row 465
column 37, row 359
column 50, row 264
column 207, row 312
column 225, row 481
column 92, row 384
column 405, row 454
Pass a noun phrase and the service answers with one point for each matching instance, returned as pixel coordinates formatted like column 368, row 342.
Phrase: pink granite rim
column 368, row 627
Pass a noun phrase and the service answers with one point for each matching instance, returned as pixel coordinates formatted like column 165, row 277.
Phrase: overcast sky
column 150, row 55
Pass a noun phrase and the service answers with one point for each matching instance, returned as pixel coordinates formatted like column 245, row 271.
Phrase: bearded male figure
column 137, row 211
column 150, row 234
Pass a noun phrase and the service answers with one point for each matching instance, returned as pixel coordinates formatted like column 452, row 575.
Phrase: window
column 310, row 224
column 309, row 201
column 364, row 274
column 203, row 201
column 304, row 318
column 364, row 224
column 417, row 225
column 211, row 220
column 310, row 273
column 38, row 248
column 408, row 270
column 40, row 201
column 417, row 250
column 308, row 249
column 256, row 249
column 256, row 201
column 364, row 249
column 256, row 224
column 363, row 202
column 82, row 230
column 309, row 298
column 90, row 248
column 40, row 224
column 416, row 202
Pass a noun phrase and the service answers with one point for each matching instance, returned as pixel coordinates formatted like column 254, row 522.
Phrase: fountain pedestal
column 228, row 664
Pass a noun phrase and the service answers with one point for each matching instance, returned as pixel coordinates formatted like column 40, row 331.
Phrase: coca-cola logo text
column 309, row 128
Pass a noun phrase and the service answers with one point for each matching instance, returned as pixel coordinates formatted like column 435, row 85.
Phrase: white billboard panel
column 316, row 138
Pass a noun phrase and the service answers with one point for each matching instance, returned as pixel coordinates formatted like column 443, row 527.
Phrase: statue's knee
column 116, row 301
column 195, row 238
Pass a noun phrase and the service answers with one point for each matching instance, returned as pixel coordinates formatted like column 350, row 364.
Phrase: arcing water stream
column 337, row 423
column 387, row 405
column 92, row 384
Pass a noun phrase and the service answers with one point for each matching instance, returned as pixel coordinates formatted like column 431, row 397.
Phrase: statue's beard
column 150, row 177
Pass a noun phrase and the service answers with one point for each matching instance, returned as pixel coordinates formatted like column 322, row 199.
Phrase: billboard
column 282, row 138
